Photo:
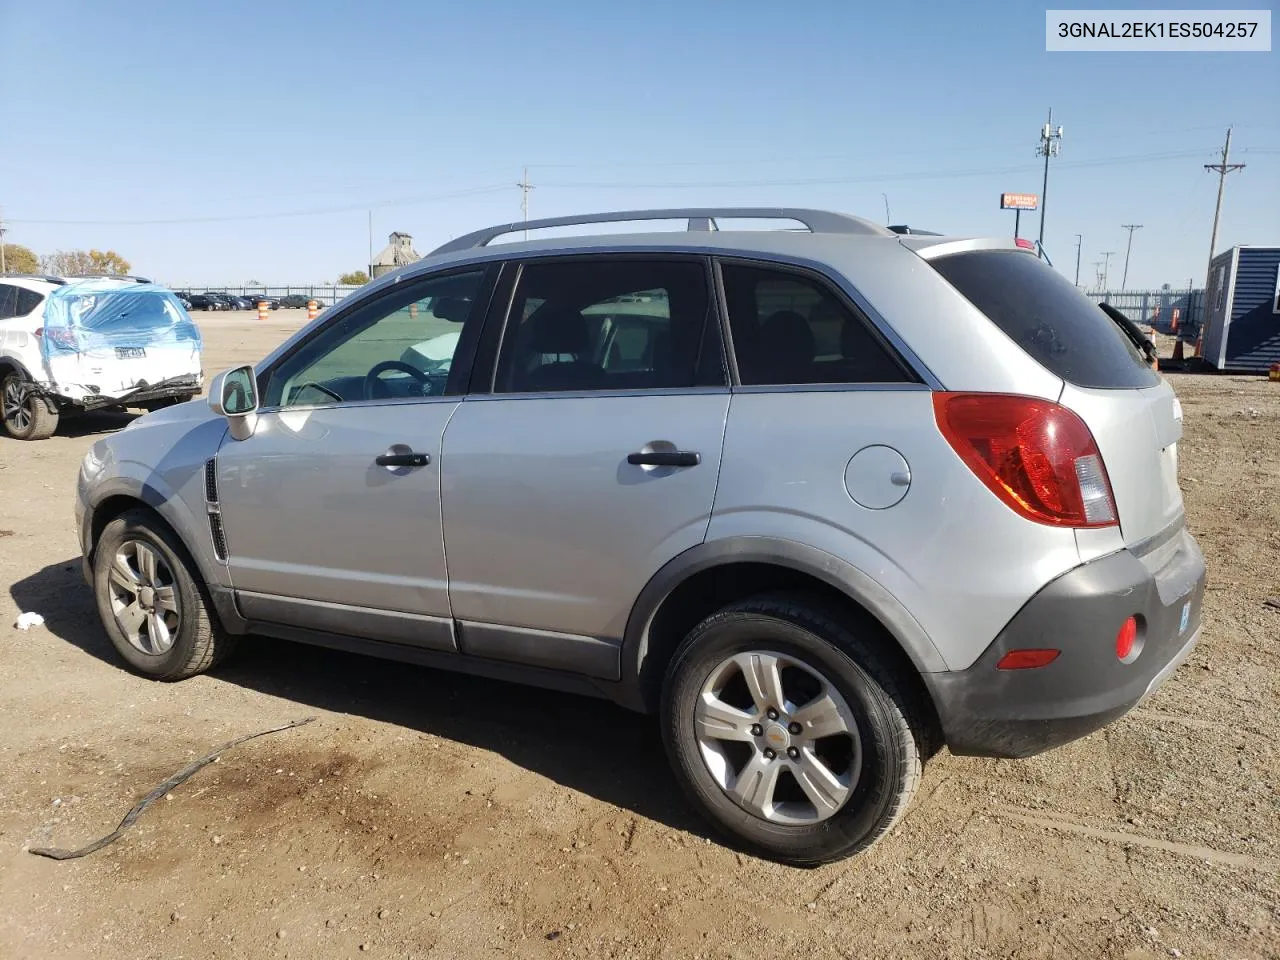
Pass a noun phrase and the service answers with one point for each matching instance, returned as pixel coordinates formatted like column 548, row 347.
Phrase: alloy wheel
column 144, row 597
column 778, row 738
column 17, row 404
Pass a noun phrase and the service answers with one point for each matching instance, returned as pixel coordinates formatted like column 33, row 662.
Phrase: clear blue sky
column 227, row 115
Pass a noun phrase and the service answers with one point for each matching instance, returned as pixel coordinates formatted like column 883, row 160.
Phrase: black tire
column 33, row 418
column 890, row 724
column 199, row 642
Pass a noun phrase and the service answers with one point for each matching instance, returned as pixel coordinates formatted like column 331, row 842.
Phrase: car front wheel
column 789, row 733
column 151, row 601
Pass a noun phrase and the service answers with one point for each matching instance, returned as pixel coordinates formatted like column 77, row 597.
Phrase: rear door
column 590, row 463
column 1131, row 410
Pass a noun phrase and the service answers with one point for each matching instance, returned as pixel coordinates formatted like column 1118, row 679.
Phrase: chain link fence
column 1160, row 309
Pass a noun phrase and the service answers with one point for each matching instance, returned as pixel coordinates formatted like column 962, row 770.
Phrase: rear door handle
column 403, row 459
column 664, row 458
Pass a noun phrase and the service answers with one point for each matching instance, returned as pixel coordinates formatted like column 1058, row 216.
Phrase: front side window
column 791, row 329
column 604, row 324
column 400, row 346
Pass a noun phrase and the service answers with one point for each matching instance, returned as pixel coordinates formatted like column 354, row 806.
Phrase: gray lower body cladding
column 990, row 712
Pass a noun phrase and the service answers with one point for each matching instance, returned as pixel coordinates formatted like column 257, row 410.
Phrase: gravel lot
column 426, row 814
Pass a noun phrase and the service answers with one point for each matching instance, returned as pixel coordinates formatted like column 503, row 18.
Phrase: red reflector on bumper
column 1027, row 659
column 1125, row 638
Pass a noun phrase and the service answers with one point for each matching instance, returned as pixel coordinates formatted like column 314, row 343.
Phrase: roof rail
column 106, row 276
column 33, row 276
column 700, row 218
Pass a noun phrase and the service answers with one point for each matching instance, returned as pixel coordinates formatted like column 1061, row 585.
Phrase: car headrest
column 787, row 338
column 562, row 332
column 453, row 309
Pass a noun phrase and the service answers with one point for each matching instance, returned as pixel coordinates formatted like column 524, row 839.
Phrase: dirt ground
column 426, row 814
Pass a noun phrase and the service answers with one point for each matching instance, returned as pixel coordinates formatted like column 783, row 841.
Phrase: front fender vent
column 216, row 532
column 211, row 480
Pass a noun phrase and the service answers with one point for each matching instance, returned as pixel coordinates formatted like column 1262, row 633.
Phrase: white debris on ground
column 26, row 621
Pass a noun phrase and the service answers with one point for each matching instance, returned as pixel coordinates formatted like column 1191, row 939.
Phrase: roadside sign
column 1019, row 201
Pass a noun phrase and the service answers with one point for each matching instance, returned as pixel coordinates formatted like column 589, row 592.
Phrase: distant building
column 398, row 251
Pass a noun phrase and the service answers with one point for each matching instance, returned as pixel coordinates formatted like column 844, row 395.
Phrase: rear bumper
column 83, row 397
column 1019, row 713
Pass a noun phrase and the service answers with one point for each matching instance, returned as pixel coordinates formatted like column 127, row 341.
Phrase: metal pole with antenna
column 1079, row 243
column 1128, row 247
column 371, row 243
column 1050, row 146
column 1106, row 267
column 888, row 219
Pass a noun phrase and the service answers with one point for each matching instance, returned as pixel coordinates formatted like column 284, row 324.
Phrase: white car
column 71, row 345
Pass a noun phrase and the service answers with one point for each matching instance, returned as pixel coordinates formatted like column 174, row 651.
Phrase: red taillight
column 1126, row 638
column 65, row 338
column 1024, row 244
column 1027, row 659
column 1035, row 455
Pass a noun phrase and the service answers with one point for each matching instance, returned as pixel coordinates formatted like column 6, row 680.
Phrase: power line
column 1221, row 169
column 1128, row 247
column 865, row 178
column 345, row 208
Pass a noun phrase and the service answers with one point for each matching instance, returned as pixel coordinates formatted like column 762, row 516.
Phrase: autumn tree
column 19, row 259
column 354, row 279
column 85, row 263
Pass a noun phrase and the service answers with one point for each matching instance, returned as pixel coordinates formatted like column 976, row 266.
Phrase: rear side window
column 28, row 300
column 790, row 329
column 1057, row 325
column 605, row 324
column 8, row 301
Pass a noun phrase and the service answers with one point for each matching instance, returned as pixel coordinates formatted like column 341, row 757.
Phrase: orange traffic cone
column 1177, row 349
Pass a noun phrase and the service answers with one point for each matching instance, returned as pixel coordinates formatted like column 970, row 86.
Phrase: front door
column 331, row 509
column 591, row 463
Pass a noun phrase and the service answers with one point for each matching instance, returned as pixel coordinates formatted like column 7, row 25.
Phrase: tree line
column 65, row 263
column 94, row 263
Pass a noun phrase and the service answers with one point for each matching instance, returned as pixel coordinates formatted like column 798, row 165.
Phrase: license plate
column 130, row 353
column 1186, row 617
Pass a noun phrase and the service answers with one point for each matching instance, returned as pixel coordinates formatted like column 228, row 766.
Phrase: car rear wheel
column 26, row 414
column 788, row 732
column 152, row 602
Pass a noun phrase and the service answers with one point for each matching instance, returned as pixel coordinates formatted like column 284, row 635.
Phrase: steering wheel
column 371, row 378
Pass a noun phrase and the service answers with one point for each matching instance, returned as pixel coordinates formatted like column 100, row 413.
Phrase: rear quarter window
column 1043, row 312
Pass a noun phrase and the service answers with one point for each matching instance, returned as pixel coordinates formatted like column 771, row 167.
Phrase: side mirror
column 234, row 394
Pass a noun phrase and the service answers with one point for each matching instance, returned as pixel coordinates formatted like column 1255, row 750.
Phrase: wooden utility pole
column 1221, row 169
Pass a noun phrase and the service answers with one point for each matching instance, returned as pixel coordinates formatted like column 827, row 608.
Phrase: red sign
column 1019, row 201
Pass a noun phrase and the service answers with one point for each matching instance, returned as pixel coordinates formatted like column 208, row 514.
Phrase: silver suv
column 821, row 499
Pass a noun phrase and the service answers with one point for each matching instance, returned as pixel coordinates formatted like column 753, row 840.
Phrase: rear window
column 1057, row 325
column 28, row 300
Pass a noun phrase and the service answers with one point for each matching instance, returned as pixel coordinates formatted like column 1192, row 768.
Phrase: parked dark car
column 273, row 303
column 202, row 301
column 295, row 301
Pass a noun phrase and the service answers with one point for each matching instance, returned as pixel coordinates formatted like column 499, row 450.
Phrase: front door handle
column 664, row 458
column 403, row 459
